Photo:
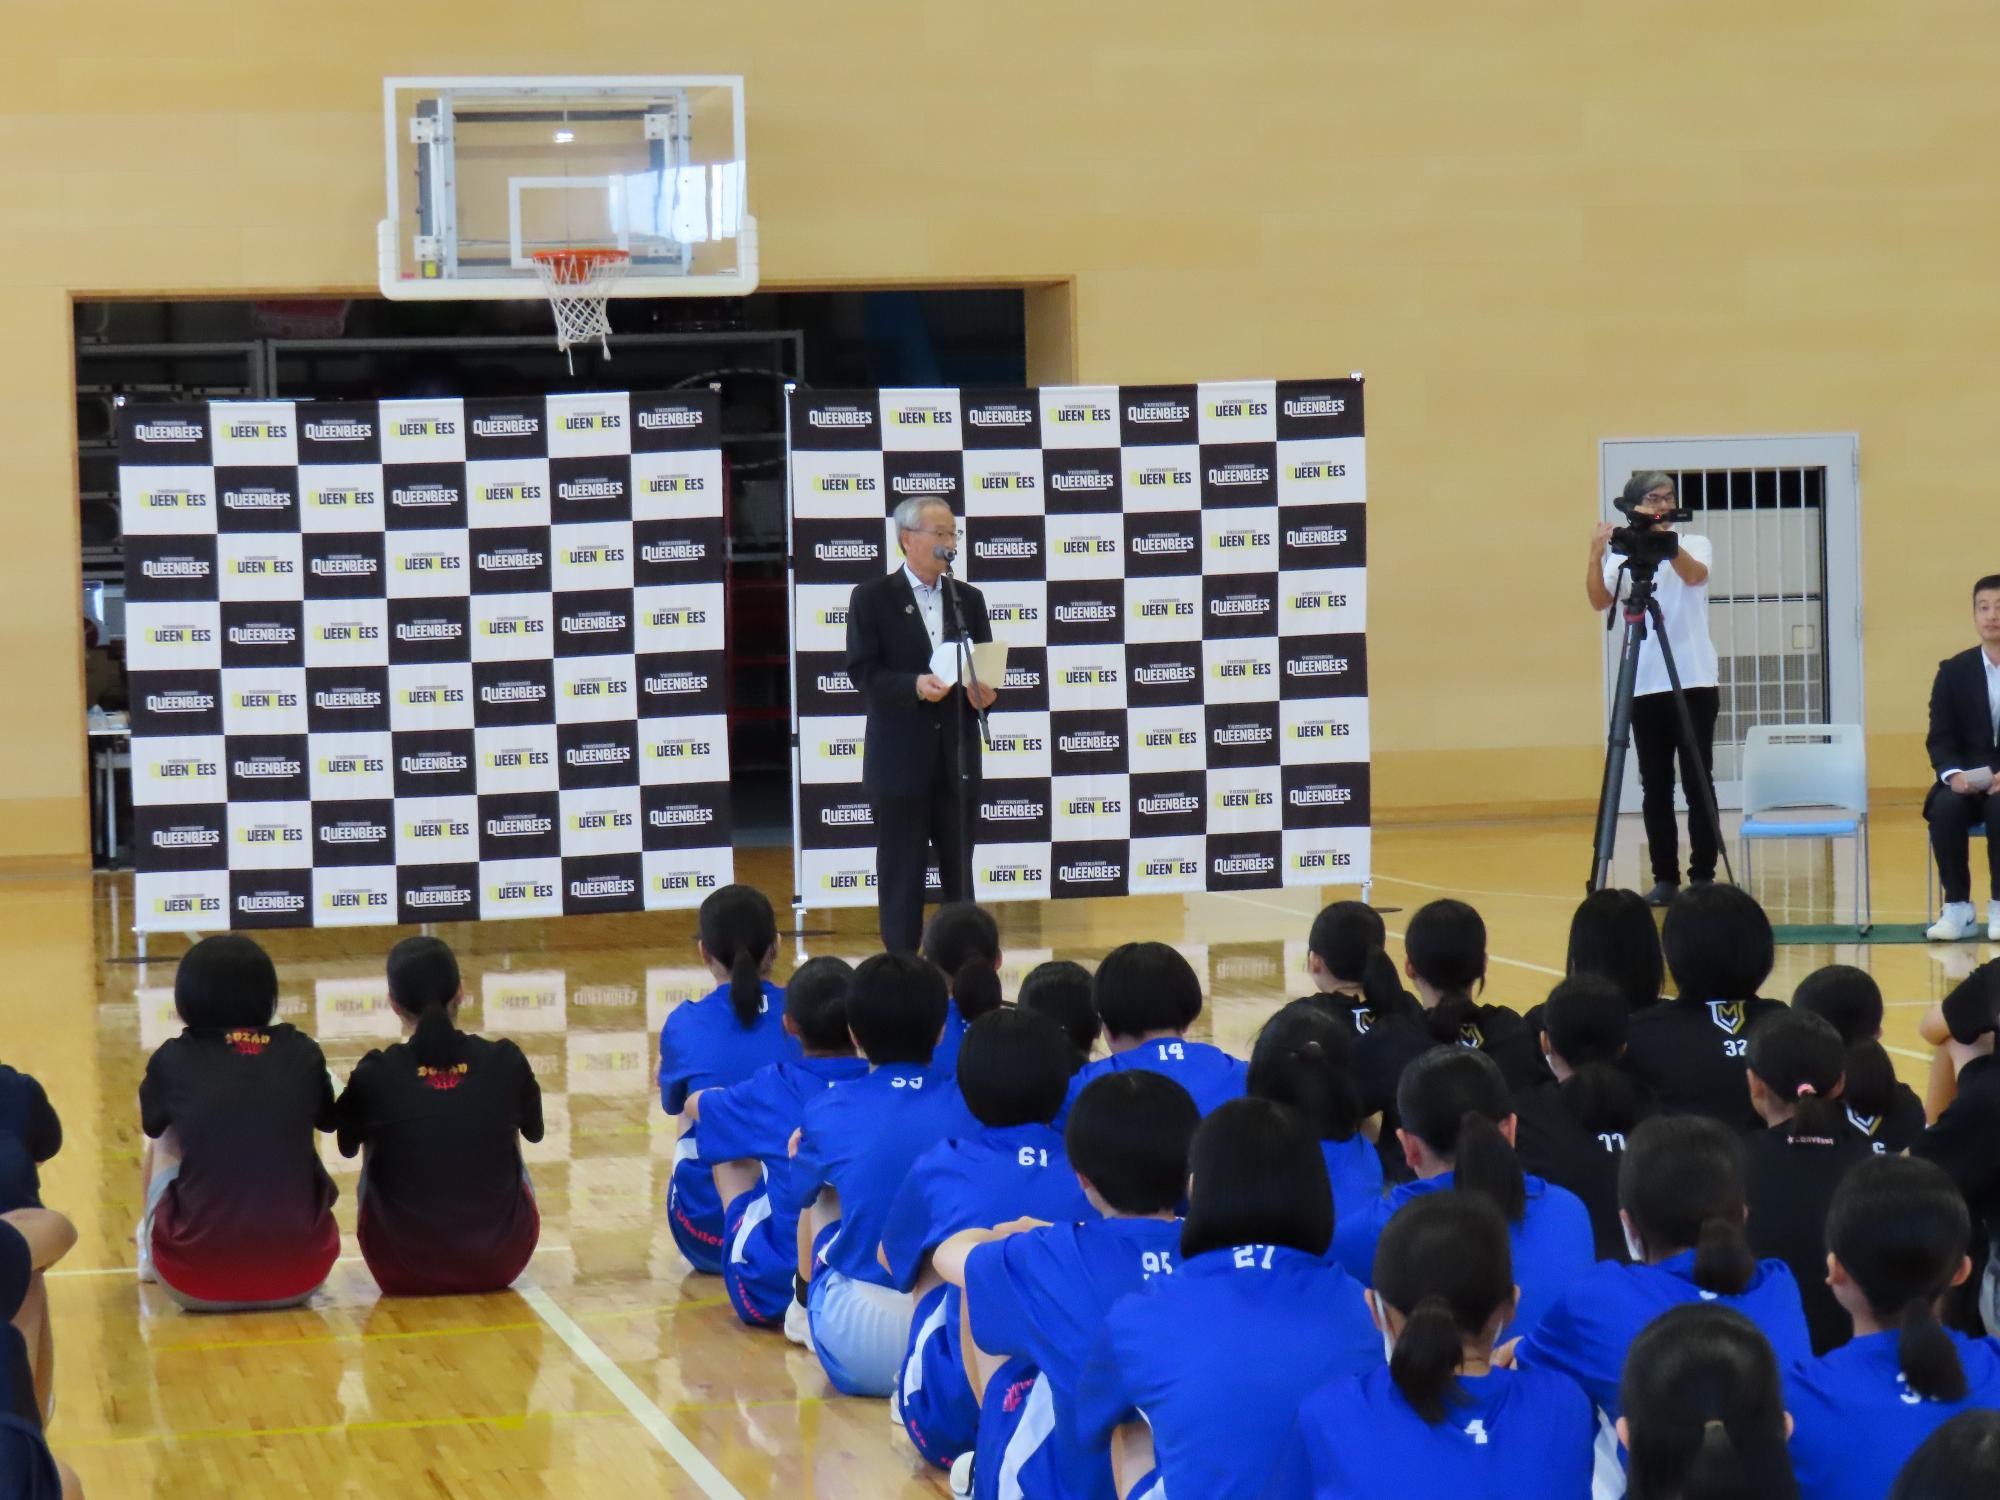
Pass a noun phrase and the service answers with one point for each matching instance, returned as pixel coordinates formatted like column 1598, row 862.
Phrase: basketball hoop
column 579, row 282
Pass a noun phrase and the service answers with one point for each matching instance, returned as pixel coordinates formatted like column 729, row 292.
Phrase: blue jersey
column 1211, row 1076
column 754, row 1121
column 860, row 1138
column 987, row 1176
column 702, row 1046
column 1217, row 1358
column 1354, row 1171
column 1041, row 1297
column 1517, row 1433
column 944, row 1060
column 1553, row 1243
column 1857, row 1421
column 1585, row 1335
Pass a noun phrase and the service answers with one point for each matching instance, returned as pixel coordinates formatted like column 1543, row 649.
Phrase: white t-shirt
column 1685, row 609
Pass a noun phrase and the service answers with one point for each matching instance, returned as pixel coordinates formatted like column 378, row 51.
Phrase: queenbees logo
column 845, row 484
column 1011, row 480
column 1728, row 1015
column 593, row 421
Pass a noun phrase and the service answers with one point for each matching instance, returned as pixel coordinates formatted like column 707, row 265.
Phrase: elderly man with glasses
column 917, row 721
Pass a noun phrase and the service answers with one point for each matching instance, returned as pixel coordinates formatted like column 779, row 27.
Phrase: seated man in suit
column 916, row 720
column 1964, row 746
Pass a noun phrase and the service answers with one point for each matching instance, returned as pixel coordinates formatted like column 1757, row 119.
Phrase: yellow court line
column 466, row 1330
column 407, row 1424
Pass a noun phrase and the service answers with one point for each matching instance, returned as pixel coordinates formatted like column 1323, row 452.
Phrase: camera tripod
column 1640, row 606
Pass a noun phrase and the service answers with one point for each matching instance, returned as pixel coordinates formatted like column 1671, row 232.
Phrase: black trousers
column 1656, row 736
column 906, row 828
column 1951, row 815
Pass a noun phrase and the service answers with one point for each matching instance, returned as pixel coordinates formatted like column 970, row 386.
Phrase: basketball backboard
column 484, row 172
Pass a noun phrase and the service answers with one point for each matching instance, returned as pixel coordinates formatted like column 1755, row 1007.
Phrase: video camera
column 1641, row 540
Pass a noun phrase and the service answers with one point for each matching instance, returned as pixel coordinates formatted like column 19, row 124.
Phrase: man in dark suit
column 1964, row 746
column 917, row 721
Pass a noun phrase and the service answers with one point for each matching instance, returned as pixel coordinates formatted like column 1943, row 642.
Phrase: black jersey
column 1693, row 1055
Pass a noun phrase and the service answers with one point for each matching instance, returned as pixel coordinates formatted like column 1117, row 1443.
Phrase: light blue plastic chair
column 1816, row 768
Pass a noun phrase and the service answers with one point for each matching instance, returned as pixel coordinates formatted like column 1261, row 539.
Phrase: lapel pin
column 909, row 609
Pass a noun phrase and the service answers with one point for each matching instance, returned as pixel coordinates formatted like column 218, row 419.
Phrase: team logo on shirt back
column 443, row 1078
column 1469, row 1035
column 1727, row 1014
column 247, row 1043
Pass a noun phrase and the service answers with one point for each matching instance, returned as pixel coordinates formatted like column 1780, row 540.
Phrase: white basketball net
column 579, row 284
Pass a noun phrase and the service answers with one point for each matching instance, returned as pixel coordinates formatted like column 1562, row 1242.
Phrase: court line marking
column 1491, row 957
column 679, row 1447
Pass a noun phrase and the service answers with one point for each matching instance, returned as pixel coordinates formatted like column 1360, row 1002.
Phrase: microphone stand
column 968, row 672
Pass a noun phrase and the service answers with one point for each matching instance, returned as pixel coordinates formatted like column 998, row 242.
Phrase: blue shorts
column 933, row 1397
column 1014, row 1425
column 694, row 1210
column 859, row 1331
column 757, row 1270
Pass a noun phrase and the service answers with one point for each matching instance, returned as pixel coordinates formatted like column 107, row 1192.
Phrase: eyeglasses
column 943, row 536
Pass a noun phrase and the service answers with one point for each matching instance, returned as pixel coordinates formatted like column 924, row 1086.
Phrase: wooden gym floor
column 612, row 1368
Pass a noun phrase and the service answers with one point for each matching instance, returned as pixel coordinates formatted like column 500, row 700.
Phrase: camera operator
column 1682, row 591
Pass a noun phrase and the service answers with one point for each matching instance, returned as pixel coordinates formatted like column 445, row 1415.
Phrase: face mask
column 1632, row 1245
column 1388, row 1346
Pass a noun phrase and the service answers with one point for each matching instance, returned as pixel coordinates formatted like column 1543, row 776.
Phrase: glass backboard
column 483, row 172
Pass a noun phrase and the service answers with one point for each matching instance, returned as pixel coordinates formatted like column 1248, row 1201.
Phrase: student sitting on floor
column 1690, row 1050
column 1458, row 1132
column 1147, row 995
column 1345, row 957
column 715, row 1041
column 1035, row 1296
column 746, row 1131
column 855, row 1147
column 30, row 1239
column 239, row 1211
column 1445, row 957
column 963, row 940
column 1704, row 1413
column 1060, row 990
column 438, row 1119
column 1681, row 1185
column 1888, row 1113
column 1960, row 1461
column 1573, row 1129
column 1195, row 1380
column 30, row 1133
column 1303, row 1058
column 1013, row 1073
column 1897, row 1239
column 1792, row 1167
column 1441, row 1419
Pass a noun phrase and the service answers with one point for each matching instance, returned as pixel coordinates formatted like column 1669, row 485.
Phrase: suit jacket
column 888, row 649
column 1961, row 734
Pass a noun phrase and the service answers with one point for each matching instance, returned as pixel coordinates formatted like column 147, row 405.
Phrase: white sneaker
column 961, row 1477
column 1993, row 921
column 798, row 1326
column 1958, row 921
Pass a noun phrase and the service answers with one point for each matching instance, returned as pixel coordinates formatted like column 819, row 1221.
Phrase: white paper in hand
column 989, row 662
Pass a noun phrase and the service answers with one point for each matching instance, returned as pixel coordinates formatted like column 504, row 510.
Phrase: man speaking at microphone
column 917, row 720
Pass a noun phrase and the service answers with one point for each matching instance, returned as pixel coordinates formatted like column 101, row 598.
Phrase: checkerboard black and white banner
column 1179, row 572
column 435, row 660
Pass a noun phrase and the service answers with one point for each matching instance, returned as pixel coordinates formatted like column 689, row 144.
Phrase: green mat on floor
column 1846, row 932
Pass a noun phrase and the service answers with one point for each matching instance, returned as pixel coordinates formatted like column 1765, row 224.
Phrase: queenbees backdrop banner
column 1180, row 574
column 433, row 660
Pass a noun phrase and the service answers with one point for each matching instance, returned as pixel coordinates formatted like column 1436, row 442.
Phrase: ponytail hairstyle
column 1850, row 999
column 1444, row 1262
column 1681, row 1185
column 1613, row 935
column 423, row 981
column 737, row 930
column 1256, row 1176
column 1303, row 1058
column 963, row 940
column 1800, row 1058
column 1960, row 1461
column 1453, row 1100
column 1900, row 1228
column 1343, row 936
column 1586, row 1021
column 1446, row 946
column 1704, row 1413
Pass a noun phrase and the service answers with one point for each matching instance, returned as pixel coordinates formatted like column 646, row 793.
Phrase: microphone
column 946, row 555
